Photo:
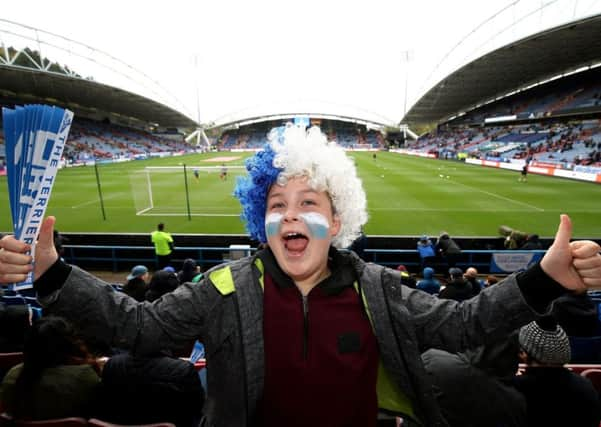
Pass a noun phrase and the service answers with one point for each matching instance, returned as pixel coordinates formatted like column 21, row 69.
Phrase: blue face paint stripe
column 273, row 222
column 316, row 223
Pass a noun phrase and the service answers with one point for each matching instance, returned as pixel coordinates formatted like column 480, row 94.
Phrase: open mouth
column 295, row 243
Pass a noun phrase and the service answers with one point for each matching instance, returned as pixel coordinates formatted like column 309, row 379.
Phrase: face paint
column 273, row 222
column 316, row 223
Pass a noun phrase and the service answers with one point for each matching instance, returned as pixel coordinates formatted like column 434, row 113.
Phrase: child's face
column 299, row 224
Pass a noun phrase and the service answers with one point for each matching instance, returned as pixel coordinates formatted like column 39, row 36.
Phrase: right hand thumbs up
column 15, row 264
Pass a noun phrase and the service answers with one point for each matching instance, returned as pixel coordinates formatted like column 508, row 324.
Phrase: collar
column 342, row 272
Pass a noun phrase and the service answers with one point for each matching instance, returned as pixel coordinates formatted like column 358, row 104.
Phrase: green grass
column 406, row 196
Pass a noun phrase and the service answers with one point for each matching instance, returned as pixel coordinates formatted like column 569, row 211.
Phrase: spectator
column 577, row 314
column 425, row 248
column 406, row 278
column 163, row 245
column 555, row 396
column 474, row 388
column 458, row 288
column 532, row 242
column 471, row 276
column 15, row 321
column 58, row 377
column 152, row 389
column 59, row 240
column 514, row 239
column 490, row 280
column 162, row 282
column 189, row 271
column 297, row 333
column 137, row 283
column 429, row 283
column 448, row 249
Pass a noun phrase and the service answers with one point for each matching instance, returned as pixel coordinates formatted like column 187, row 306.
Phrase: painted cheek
column 316, row 223
column 273, row 223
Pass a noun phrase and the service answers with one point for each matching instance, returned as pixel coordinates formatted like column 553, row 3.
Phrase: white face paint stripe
column 315, row 218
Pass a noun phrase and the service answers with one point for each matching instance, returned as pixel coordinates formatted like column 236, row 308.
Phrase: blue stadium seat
column 585, row 349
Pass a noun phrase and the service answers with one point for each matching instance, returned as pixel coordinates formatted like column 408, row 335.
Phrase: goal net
column 168, row 190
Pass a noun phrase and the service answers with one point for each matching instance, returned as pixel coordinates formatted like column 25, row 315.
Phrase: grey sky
column 273, row 55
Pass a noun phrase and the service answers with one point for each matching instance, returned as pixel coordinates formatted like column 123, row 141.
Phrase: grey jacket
column 225, row 312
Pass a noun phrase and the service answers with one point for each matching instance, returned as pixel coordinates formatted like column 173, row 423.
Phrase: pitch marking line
column 90, row 202
column 517, row 202
column 142, row 213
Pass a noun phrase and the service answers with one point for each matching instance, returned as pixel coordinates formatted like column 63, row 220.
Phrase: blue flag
column 34, row 136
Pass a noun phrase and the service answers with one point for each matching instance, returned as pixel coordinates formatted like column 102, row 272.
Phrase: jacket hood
column 428, row 273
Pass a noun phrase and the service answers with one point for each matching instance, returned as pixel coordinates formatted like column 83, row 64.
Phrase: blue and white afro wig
column 293, row 152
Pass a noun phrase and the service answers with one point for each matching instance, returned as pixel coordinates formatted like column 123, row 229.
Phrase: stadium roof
column 521, row 64
column 82, row 94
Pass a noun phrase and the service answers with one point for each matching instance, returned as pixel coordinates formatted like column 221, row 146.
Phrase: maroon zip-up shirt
column 321, row 355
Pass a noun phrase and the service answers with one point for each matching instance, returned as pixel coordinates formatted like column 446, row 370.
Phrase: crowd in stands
column 90, row 139
column 555, row 123
column 569, row 144
column 93, row 140
column 348, row 135
column 61, row 375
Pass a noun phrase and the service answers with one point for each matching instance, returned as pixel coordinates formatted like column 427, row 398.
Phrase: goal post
column 161, row 190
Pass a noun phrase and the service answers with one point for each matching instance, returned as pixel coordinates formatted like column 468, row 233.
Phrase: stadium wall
column 547, row 170
column 539, row 169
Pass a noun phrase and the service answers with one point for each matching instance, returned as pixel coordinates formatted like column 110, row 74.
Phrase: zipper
column 305, row 302
column 244, row 368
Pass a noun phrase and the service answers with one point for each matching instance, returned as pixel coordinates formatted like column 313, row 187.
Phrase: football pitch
column 406, row 196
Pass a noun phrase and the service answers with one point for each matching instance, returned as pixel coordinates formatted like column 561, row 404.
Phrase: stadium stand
column 557, row 123
column 349, row 135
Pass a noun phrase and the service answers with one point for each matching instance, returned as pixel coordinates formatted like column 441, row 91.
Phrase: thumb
column 564, row 231
column 46, row 237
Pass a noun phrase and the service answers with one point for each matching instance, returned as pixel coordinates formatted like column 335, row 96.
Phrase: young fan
column 301, row 333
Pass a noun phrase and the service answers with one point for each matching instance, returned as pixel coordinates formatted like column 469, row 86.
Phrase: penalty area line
column 517, row 202
column 145, row 213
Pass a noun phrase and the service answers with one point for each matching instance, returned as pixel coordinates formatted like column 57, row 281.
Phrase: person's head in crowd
column 428, row 273
column 401, row 268
column 471, row 273
column 162, row 282
column 424, row 240
column 543, row 342
column 533, row 238
column 52, row 341
column 455, row 273
column 444, row 235
column 138, row 272
column 301, row 195
column 491, row 280
column 169, row 269
column 189, row 270
column 161, row 226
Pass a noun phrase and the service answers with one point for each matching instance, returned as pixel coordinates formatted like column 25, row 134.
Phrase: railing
column 124, row 256
column 119, row 258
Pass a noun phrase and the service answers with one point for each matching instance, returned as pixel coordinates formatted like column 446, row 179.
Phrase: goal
column 169, row 190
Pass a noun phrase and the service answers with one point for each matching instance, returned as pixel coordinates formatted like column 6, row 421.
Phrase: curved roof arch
column 81, row 94
column 516, row 66
column 315, row 109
